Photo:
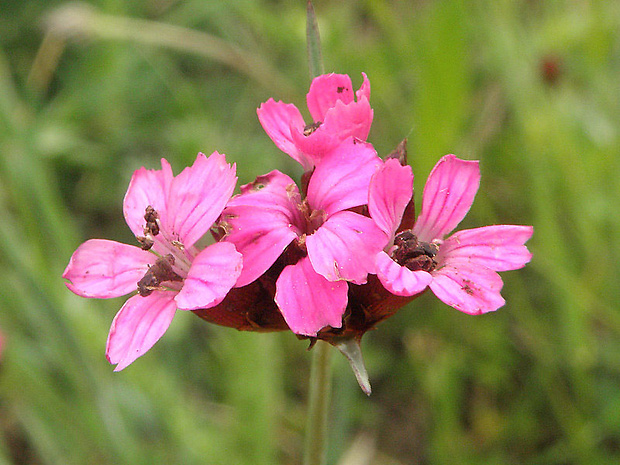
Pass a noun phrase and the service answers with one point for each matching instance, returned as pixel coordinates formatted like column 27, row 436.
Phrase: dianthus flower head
column 168, row 215
column 322, row 244
column 337, row 114
column 461, row 270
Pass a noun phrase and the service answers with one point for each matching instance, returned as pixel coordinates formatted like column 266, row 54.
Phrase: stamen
column 414, row 254
column 182, row 258
column 145, row 242
column 151, row 216
column 161, row 271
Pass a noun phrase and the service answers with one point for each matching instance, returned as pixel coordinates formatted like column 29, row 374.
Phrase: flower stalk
column 318, row 404
column 319, row 392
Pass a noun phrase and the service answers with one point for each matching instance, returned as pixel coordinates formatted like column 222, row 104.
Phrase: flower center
column 416, row 255
column 160, row 272
column 174, row 259
column 314, row 218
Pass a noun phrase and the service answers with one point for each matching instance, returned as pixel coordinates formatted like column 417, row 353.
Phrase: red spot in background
column 550, row 68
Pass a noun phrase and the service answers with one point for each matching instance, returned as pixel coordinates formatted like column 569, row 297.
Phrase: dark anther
column 145, row 242
column 151, row 217
column 311, row 128
column 421, row 262
column 414, row 254
column 429, row 249
column 158, row 273
column 341, row 89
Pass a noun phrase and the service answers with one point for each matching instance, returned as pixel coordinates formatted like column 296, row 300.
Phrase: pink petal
column 469, row 288
column 345, row 246
column 260, row 235
column 104, row 269
column 500, row 247
column 147, row 187
column 341, row 122
column 325, row 91
column 448, row 195
column 198, row 196
column 342, row 179
column 400, row 280
column 364, row 90
column 276, row 190
column 213, row 273
column 308, row 301
column 317, row 144
column 279, row 120
column 262, row 221
column 138, row 325
column 391, row 189
column 353, row 119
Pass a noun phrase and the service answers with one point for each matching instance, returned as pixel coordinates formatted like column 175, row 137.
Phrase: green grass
column 537, row 382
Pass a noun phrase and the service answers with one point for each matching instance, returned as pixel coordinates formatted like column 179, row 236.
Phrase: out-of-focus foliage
column 90, row 92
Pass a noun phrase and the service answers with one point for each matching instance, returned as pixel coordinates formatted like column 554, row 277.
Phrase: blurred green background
column 90, row 92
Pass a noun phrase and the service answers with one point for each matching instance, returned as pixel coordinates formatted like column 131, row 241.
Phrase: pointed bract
column 351, row 349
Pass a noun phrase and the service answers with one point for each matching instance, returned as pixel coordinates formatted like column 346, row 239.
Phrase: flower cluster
column 328, row 258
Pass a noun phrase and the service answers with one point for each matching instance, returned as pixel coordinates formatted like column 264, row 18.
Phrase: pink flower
column 460, row 270
column 322, row 243
column 168, row 215
column 336, row 116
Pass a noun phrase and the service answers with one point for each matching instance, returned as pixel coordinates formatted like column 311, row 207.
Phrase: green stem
column 319, row 397
column 320, row 372
column 313, row 40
